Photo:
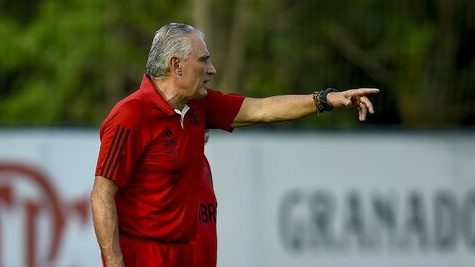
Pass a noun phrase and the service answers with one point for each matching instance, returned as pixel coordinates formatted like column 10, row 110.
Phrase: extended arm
column 291, row 107
column 104, row 215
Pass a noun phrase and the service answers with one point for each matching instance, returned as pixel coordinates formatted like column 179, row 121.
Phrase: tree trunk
column 234, row 59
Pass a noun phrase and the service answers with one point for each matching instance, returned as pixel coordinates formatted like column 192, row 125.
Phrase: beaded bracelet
column 321, row 101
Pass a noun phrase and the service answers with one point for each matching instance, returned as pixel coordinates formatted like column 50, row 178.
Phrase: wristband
column 321, row 100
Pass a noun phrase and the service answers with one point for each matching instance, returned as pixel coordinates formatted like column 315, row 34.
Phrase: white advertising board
column 373, row 199
column 320, row 199
column 45, row 180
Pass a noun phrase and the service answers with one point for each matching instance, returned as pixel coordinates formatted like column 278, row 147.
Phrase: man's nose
column 211, row 69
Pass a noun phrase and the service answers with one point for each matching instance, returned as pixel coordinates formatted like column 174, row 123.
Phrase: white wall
column 320, row 199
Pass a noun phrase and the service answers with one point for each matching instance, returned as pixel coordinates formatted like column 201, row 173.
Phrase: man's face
column 196, row 70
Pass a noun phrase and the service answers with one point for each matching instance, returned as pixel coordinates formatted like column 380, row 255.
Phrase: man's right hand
column 354, row 98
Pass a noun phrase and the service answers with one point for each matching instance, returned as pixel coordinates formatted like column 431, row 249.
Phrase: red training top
column 205, row 243
column 156, row 159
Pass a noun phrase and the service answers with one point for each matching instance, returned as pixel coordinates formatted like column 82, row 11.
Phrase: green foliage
column 67, row 62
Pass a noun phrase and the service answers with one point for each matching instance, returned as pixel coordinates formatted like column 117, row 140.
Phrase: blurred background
column 64, row 63
column 397, row 190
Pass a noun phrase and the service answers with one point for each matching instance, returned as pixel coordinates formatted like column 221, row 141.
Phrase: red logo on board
column 26, row 192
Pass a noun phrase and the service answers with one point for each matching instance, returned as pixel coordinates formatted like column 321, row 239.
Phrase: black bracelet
column 323, row 100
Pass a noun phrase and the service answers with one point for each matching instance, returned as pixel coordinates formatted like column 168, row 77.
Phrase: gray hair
column 169, row 40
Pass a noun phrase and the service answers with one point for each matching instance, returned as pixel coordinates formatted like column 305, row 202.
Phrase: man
column 205, row 242
column 145, row 196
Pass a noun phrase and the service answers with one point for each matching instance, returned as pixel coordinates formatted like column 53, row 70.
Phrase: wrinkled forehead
column 199, row 45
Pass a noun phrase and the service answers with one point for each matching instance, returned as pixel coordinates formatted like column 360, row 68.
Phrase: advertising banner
column 284, row 199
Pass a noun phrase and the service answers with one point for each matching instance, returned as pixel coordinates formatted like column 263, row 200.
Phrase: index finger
column 363, row 91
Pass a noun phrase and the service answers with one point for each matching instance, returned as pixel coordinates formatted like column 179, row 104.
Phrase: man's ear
column 175, row 65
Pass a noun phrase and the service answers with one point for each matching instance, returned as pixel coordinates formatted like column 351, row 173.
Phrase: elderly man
column 146, row 191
